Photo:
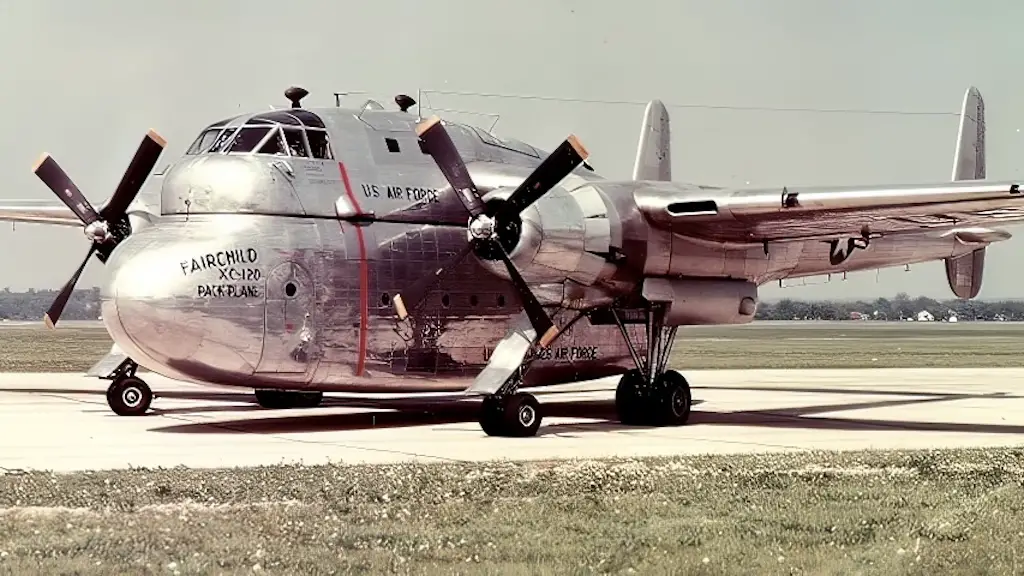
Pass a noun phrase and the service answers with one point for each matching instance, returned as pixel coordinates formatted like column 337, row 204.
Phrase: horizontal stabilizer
column 653, row 151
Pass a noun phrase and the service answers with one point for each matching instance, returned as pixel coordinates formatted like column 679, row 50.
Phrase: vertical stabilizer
column 653, row 151
column 969, row 157
column 964, row 273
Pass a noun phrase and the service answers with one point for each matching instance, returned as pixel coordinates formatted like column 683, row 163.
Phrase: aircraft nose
column 155, row 312
column 142, row 305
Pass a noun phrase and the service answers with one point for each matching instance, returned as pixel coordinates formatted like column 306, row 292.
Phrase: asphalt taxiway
column 61, row 421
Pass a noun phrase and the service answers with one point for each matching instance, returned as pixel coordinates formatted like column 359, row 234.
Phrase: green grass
column 936, row 512
column 757, row 345
column 39, row 349
column 851, row 345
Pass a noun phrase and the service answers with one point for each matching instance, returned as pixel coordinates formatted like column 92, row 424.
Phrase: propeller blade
column 545, row 328
column 446, row 155
column 569, row 154
column 57, row 308
column 411, row 298
column 60, row 183
column 134, row 176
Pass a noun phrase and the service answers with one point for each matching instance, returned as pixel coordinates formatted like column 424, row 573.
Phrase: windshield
column 295, row 133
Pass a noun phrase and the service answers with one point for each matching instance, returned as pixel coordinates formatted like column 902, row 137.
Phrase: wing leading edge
column 781, row 214
column 39, row 212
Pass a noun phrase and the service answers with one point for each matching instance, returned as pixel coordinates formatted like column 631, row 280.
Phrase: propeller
column 108, row 227
column 493, row 234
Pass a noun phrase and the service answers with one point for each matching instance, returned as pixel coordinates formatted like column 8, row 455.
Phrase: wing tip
column 47, row 321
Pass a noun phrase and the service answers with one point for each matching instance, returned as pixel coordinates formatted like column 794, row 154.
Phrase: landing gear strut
column 128, row 395
column 649, row 395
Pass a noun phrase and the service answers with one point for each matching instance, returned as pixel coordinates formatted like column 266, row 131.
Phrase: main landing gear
column 648, row 395
column 128, row 395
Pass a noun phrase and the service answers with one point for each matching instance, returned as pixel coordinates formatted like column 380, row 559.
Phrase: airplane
column 305, row 250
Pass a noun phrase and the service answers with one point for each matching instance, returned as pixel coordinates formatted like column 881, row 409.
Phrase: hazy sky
column 85, row 80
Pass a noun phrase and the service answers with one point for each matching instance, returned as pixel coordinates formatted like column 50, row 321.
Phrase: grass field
column 942, row 512
column 74, row 348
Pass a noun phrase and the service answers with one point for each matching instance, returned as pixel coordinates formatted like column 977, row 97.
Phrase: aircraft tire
column 629, row 403
column 671, row 400
column 309, row 399
column 521, row 415
column 491, row 416
column 129, row 396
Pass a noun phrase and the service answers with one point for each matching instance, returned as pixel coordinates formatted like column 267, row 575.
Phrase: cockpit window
column 204, row 142
column 274, row 145
column 248, row 138
column 296, row 143
column 222, row 140
column 319, row 145
column 293, row 132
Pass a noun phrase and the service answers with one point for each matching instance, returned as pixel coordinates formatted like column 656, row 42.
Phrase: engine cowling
column 564, row 245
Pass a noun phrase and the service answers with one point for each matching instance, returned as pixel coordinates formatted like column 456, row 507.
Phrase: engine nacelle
column 703, row 301
column 564, row 246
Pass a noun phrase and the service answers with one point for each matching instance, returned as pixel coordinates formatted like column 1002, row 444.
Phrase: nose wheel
column 129, row 396
column 516, row 415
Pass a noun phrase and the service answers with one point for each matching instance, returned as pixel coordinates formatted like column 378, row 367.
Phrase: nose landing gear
column 128, row 395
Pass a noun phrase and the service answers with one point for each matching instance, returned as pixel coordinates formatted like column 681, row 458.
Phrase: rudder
column 969, row 155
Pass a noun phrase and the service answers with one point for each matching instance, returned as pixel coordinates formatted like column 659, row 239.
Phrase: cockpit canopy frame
column 293, row 133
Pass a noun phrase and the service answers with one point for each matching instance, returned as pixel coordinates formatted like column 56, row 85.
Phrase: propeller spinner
column 489, row 230
column 108, row 227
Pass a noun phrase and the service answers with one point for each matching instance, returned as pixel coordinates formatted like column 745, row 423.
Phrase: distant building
column 925, row 316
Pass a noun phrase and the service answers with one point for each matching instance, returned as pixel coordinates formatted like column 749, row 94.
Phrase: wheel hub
column 131, row 397
column 527, row 416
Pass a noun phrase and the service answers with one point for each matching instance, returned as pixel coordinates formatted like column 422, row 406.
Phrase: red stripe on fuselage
column 364, row 275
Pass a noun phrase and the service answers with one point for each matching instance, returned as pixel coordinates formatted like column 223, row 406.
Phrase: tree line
column 85, row 305
column 900, row 307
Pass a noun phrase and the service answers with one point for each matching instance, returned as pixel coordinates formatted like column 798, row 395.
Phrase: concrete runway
column 61, row 421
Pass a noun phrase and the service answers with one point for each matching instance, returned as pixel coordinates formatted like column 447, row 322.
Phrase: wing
column 786, row 214
column 36, row 211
